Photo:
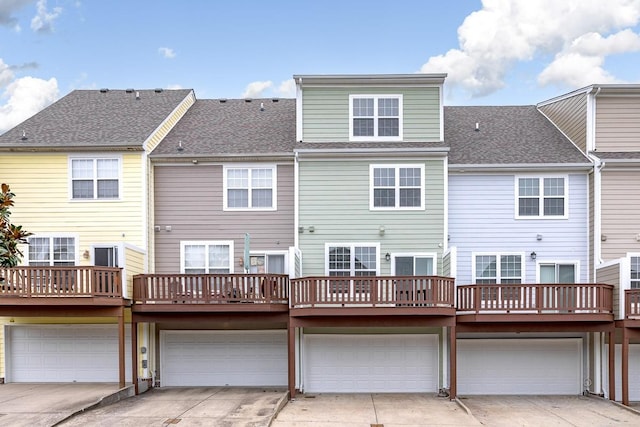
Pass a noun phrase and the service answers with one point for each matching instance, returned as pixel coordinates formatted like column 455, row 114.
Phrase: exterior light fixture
column 387, row 256
column 381, row 230
column 534, row 255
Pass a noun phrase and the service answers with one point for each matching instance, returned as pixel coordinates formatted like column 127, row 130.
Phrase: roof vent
column 24, row 135
column 158, row 90
column 477, row 126
column 130, row 90
column 275, row 100
column 223, row 100
column 247, row 100
column 262, row 106
column 180, row 147
column 137, row 95
column 104, row 90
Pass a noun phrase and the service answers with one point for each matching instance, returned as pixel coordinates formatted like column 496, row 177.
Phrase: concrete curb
column 281, row 404
column 123, row 393
column 463, row 406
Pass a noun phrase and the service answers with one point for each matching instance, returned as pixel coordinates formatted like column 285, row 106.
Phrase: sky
column 494, row 52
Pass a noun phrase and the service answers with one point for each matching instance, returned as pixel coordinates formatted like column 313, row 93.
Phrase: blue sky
column 495, row 52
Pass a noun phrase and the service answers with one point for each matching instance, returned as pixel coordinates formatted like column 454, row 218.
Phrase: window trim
column 432, row 255
column 475, row 255
column 352, row 246
column 628, row 273
column 250, row 167
column 396, row 167
column 266, row 254
column 541, row 197
column 95, row 158
column 375, row 137
column 575, row 263
column 207, row 243
column 76, row 245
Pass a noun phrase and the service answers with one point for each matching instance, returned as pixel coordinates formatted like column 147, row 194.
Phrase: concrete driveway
column 188, row 406
column 549, row 411
column 366, row 410
column 47, row 404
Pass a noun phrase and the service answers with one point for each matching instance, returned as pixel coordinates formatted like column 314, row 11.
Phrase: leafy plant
column 11, row 235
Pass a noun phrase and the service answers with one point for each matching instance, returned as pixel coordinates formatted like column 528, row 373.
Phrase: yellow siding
column 134, row 264
column 43, row 205
column 168, row 124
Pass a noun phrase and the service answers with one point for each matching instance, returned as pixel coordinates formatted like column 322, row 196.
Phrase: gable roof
column 506, row 135
column 86, row 119
column 228, row 127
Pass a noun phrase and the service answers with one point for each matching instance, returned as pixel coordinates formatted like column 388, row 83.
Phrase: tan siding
column 620, row 207
column 190, row 200
column 618, row 124
column 610, row 275
column 570, row 116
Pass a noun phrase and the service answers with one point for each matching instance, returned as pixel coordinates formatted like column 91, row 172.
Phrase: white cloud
column 7, row 9
column 256, row 89
column 578, row 33
column 24, row 97
column 287, row 89
column 167, row 52
column 175, row 86
column 43, row 21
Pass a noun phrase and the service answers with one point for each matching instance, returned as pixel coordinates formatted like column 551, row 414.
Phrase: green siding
column 326, row 112
column 334, row 199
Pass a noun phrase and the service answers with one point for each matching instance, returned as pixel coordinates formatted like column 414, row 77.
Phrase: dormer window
column 375, row 117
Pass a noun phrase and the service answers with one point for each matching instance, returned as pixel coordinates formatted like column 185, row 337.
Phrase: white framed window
column 375, row 117
column 413, row 264
column 95, row 178
column 542, row 197
column 206, row 257
column 498, row 268
column 268, row 262
column 396, row 187
column 635, row 272
column 561, row 272
column 52, row 251
column 352, row 259
column 250, row 187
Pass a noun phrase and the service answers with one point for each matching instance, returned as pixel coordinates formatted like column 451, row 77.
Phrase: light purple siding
column 482, row 219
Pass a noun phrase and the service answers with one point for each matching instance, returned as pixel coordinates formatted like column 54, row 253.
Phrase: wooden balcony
column 535, row 302
column 61, row 285
column 632, row 304
column 358, row 295
column 210, row 292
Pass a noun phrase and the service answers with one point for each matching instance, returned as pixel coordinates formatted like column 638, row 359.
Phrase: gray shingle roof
column 506, row 135
column 87, row 118
column 214, row 127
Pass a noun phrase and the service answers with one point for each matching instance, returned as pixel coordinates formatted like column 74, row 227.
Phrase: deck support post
column 612, row 366
column 625, row 366
column 291, row 358
column 453, row 380
column 134, row 355
column 121, row 348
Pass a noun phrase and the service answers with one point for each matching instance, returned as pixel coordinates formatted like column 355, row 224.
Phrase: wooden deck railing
column 535, row 298
column 632, row 303
column 210, row 288
column 372, row 291
column 65, row 281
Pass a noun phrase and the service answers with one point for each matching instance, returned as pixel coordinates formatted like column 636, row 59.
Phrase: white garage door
column 65, row 353
column 519, row 366
column 634, row 372
column 370, row 363
column 219, row 358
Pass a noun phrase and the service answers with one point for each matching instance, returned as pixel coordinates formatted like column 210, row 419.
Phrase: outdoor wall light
column 311, row 229
column 539, row 237
column 381, row 230
column 534, row 255
column 387, row 256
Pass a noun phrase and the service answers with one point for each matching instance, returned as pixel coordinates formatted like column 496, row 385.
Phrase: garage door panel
column 65, row 353
column 513, row 366
column 371, row 363
column 634, row 371
column 215, row 358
